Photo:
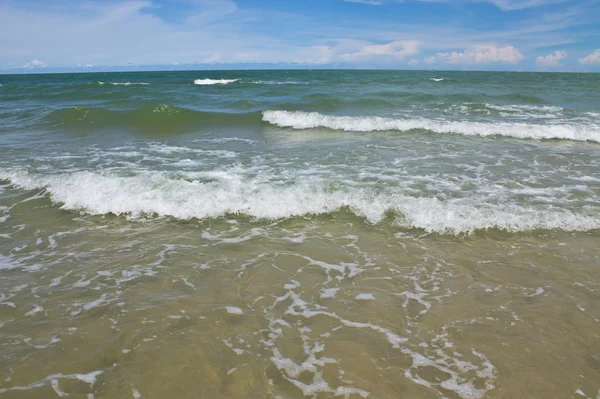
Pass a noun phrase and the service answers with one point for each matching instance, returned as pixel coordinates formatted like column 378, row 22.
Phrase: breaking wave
column 216, row 194
column 311, row 120
column 124, row 83
column 214, row 81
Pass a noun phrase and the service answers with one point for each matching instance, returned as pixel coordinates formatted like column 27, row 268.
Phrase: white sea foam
column 329, row 292
column 365, row 297
column 436, row 79
column 214, row 81
column 234, row 310
column 275, row 82
column 311, row 120
column 523, row 107
column 124, row 83
column 169, row 149
column 155, row 193
column 89, row 378
column 36, row 309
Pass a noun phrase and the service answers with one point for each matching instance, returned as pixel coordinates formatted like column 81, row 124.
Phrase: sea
column 289, row 234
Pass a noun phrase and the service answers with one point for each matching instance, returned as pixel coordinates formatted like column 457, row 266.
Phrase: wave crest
column 214, row 81
column 124, row 83
column 219, row 194
column 311, row 120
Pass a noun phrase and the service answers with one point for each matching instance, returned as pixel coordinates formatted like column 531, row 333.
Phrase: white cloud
column 129, row 33
column 370, row 2
column 120, row 12
column 318, row 55
column 212, row 59
column 479, row 54
column 552, row 59
column 397, row 49
column 511, row 5
column 34, row 64
column 505, row 5
column 592, row 58
column 137, row 32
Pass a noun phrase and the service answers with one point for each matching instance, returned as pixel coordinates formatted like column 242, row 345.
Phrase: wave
column 149, row 117
column 436, row 79
column 524, row 108
column 124, row 83
column 213, row 81
column 311, row 120
column 221, row 193
column 276, row 82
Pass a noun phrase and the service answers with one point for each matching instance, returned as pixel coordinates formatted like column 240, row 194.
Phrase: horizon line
column 41, row 72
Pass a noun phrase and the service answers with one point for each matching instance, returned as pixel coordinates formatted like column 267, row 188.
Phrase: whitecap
column 214, row 81
column 124, row 83
column 311, row 120
column 524, row 107
column 156, row 193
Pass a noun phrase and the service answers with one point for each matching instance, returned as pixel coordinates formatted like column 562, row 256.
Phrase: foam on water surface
column 312, row 120
column 156, row 193
column 199, row 249
column 234, row 310
column 213, row 81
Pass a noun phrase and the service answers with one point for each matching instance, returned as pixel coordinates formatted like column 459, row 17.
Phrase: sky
column 93, row 35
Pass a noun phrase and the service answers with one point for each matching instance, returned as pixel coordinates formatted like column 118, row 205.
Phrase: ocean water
column 288, row 234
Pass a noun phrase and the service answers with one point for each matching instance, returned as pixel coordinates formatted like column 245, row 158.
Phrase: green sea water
column 288, row 234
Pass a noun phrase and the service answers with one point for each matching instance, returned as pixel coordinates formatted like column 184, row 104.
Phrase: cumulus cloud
column 552, row 59
column 593, row 58
column 479, row 54
column 34, row 64
column 398, row 49
column 151, row 32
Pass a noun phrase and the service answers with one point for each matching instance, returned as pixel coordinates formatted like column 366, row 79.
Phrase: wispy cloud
column 505, row 5
column 69, row 33
column 369, row 2
column 593, row 58
column 512, row 5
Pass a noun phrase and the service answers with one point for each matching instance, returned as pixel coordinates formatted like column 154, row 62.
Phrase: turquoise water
column 300, row 233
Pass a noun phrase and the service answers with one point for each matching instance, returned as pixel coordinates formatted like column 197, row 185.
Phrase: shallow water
column 385, row 235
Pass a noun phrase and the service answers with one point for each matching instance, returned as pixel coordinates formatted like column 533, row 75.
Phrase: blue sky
column 530, row 35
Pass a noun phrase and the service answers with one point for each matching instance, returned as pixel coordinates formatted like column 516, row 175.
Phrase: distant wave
column 154, row 193
column 436, row 79
column 214, row 81
column 311, row 120
column 148, row 117
column 124, row 83
column 276, row 82
column 521, row 108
